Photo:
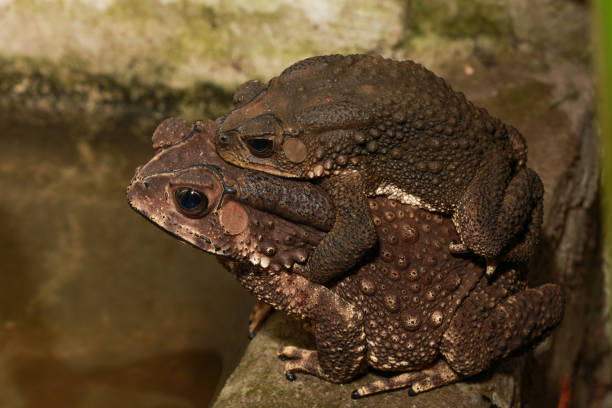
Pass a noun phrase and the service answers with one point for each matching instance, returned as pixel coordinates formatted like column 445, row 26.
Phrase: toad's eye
column 192, row 203
column 261, row 147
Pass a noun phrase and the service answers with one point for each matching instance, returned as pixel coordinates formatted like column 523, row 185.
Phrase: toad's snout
column 227, row 139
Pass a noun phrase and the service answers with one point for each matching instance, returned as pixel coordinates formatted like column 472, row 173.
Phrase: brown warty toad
column 409, row 306
column 368, row 126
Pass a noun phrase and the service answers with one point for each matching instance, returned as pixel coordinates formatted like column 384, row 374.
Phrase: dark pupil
column 190, row 200
column 260, row 145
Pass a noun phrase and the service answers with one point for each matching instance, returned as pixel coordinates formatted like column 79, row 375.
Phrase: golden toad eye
column 261, row 147
column 191, row 202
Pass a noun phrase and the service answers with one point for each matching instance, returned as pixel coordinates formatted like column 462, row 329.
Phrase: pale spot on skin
column 437, row 318
column 295, row 150
column 395, row 193
column 318, row 170
column 255, row 259
column 233, row 218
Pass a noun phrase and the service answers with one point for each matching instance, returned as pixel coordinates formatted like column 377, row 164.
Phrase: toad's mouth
column 247, row 161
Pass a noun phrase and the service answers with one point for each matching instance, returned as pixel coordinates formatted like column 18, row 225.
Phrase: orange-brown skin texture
column 410, row 306
column 406, row 134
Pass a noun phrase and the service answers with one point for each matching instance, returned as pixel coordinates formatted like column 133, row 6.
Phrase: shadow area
column 35, row 371
column 181, row 379
column 72, row 299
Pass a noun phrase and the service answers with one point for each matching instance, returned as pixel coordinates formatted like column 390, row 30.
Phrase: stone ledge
column 258, row 381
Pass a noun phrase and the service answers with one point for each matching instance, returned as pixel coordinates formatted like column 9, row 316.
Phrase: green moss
column 57, row 90
column 190, row 28
column 460, row 19
column 197, row 31
column 528, row 98
column 499, row 32
column 463, row 27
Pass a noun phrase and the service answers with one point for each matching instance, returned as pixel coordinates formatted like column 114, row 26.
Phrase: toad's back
column 401, row 126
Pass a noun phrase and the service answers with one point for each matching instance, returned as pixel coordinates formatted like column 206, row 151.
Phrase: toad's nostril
column 224, row 138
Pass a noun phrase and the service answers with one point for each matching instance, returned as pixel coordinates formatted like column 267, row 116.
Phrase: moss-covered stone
column 499, row 32
column 181, row 42
column 37, row 90
column 463, row 18
column 259, row 381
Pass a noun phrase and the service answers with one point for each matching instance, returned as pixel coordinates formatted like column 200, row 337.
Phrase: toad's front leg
column 340, row 343
column 338, row 325
column 297, row 201
column 352, row 235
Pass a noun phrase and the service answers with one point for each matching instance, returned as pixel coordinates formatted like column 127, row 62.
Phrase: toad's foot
column 458, row 248
column 419, row 381
column 492, row 264
column 258, row 315
column 298, row 360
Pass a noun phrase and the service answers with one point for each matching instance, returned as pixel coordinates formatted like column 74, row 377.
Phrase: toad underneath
column 410, row 307
column 367, row 126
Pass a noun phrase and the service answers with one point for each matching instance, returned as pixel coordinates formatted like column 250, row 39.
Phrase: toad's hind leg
column 419, row 381
column 479, row 334
column 499, row 211
column 522, row 249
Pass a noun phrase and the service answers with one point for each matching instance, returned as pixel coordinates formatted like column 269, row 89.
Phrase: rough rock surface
column 259, row 381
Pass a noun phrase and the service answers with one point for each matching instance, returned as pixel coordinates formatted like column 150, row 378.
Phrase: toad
column 368, row 126
column 409, row 307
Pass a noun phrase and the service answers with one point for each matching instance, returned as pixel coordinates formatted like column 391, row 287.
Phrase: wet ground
column 99, row 308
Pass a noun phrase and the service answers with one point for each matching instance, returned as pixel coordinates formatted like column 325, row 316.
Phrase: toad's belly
column 400, row 353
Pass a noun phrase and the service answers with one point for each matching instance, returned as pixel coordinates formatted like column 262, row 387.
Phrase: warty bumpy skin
column 406, row 134
column 410, row 306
